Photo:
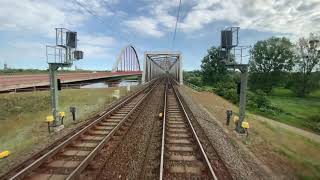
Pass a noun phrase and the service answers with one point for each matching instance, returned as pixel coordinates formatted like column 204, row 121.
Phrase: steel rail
column 22, row 173
column 195, row 135
column 76, row 172
column 163, row 131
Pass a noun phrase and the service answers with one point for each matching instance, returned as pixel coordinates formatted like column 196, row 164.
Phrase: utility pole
column 243, row 95
column 61, row 55
column 227, row 44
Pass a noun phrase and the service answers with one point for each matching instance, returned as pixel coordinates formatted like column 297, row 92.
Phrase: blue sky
column 26, row 26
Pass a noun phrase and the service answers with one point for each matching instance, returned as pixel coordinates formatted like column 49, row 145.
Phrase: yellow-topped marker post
column 245, row 126
column 235, row 120
column 49, row 120
column 160, row 115
column 4, row 154
column 61, row 116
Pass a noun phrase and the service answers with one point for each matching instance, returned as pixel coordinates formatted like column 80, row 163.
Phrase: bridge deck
column 8, row 82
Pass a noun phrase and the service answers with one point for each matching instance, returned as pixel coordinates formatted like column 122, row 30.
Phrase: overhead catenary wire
column 109, row 25
column 176, row 25
column 101, row 20
column 89, row 11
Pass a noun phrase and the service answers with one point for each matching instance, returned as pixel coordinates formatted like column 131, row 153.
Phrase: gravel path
column 239, row 164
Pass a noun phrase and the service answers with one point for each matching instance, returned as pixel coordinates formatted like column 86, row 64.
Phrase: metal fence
column 194, row 87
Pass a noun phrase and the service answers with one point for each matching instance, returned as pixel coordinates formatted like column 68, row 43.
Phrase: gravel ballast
column 239, row 164
column 126, row 159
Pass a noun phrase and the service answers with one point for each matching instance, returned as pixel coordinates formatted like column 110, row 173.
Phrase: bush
column 261, row 99
column 195, row 81
column 227, row 90
column 251, row 100
column 258, row 101
column 193, row 77
column 229, row 94
column 303, row 84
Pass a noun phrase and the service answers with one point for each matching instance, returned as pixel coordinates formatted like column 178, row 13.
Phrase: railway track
column 71, row 156
column 182, row 154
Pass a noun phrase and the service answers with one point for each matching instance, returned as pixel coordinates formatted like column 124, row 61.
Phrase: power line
column 93, row 13
column 175, row 28
column 89, row 11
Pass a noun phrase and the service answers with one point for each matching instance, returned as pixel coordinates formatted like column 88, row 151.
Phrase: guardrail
column 197, row 88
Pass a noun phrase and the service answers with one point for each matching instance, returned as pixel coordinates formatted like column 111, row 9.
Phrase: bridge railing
column 192, row 86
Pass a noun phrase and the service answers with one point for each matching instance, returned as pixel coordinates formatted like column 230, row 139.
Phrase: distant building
column 5, row 66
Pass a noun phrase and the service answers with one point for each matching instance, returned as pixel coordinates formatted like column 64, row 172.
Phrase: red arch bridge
column 156, row 63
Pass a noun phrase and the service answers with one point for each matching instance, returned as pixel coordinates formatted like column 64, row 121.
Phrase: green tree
column 269, row 59
column 213, row 68
column 193, row 77
column 307, row 59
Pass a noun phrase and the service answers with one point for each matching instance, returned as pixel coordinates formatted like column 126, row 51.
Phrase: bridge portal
column 158, row 63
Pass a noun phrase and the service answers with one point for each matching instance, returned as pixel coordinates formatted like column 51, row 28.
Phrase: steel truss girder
column 159, row 63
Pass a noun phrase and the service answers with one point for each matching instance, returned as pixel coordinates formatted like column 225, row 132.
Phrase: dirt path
column 301, row 132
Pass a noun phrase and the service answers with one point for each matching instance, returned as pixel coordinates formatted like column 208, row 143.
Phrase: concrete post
column 54, row 91
column 243, row 94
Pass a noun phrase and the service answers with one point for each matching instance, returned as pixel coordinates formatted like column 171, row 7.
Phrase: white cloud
column 96, row 40
column 92, row 52
column 295, row 17
column 95, row 46
column 31, row 23
column 39, row 16
column 276, row 16
column 36, row 16
column 145, row 26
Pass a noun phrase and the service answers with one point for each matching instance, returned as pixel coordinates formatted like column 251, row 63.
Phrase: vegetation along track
column 68, row 158
column 182, row 154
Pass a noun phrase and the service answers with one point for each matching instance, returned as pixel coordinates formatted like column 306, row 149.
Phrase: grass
column 303, row 113
column 274, row 145
column 315, row 94
column 299, row 112
column 302, row 154
column 22, row 115
column 282, row 92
